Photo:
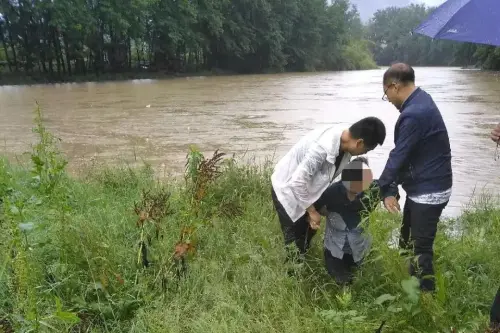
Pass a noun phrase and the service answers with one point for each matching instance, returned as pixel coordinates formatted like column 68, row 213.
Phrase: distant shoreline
column 18, row 79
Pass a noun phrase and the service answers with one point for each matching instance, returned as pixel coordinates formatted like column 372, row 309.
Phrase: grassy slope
column 80, row 242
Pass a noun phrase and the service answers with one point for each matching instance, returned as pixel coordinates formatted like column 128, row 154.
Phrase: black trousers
column 418, row 232
column 342, row 270
column 298, row 232
column 495, row 312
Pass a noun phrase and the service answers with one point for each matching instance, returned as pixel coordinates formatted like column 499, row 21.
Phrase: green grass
column 70, row 258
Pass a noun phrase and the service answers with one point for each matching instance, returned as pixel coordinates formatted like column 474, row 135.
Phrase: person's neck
column 407, row 91
column 351, row 195
column 344, row 138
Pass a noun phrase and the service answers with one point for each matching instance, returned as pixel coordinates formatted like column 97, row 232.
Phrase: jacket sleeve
column 331, row 197
column 311, row 163
column 391, row 191
column 409, row 134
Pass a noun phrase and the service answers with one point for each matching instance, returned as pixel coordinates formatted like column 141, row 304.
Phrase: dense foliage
column 73, row 37
column 390, row 31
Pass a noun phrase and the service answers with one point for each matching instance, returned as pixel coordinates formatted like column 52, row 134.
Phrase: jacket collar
column 330, row 139
column 409, row 99
column 333, row 134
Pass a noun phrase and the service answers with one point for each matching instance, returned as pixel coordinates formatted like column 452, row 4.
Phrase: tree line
column 74, row 37
column 390, row 33
column 69, row 38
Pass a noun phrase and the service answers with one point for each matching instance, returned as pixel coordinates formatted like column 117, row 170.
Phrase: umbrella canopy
column 475, row 21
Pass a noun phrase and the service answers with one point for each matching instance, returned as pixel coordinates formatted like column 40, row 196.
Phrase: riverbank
column 15, row 79
column 117, row 250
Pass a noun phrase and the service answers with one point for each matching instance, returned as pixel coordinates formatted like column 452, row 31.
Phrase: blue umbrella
column 475, row 21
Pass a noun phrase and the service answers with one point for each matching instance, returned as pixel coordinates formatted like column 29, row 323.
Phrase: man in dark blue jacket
column 421, row 163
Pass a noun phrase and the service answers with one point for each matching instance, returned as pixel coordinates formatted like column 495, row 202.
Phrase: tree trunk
column 138, row 56
column 66, row 48
column 29, row 62
column 43, row 60
column 89, row 60
column 57, row 52
column 51, row 66
column 129, row 54
column 4, row 44
column 12, row 44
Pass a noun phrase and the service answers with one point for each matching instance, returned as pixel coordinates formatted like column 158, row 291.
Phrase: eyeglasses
column 384, row 96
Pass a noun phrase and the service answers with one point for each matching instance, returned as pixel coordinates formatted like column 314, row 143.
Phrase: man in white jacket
column 304, row 173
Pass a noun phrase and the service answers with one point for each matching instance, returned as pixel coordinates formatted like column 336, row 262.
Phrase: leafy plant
column 343, row 317
column 48, row 164
column 21, row 262
column 201, row 172
column 152, row 209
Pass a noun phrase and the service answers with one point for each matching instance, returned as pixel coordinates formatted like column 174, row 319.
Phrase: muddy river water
column 254, row 116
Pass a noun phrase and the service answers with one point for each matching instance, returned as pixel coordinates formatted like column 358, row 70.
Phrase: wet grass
column 116, row 250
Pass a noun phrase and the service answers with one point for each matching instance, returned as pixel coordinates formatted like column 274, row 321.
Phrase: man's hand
column 495, row 134
column 314, row 218
column 392, row 204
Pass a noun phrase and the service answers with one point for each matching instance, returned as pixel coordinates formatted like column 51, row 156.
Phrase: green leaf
column 58, row 304
column 36, row 160
column 14, row 210
column 394, row 309
column 358, row 319
column 26, row 226
column 411, row 288
column 47, row 325
column 441, row 283
column 331, row 315
column 64, row 315
column 416, row 312
column 352, row 313
column 384, row 298
column 67, row 316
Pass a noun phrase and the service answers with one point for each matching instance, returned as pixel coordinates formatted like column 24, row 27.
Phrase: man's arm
column 391, row 191
column 312, row 162
column 330, row 197
column 409, row 134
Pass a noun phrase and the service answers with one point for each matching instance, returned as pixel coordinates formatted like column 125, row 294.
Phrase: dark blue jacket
column 335, row 199
column 421, row 160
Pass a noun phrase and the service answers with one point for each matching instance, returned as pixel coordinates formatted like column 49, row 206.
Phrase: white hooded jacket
column 305, row 172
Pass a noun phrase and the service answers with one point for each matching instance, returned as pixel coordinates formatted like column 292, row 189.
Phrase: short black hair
column 370, row 129
column 400, row 72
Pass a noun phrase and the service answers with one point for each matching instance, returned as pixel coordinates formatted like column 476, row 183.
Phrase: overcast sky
column 433, row 2
column 368, row 7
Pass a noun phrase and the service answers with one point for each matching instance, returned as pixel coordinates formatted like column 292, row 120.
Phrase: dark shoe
column 427, row 285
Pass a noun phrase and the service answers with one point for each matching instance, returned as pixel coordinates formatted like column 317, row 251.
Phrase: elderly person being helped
column 304, row 173
column 347, row 203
